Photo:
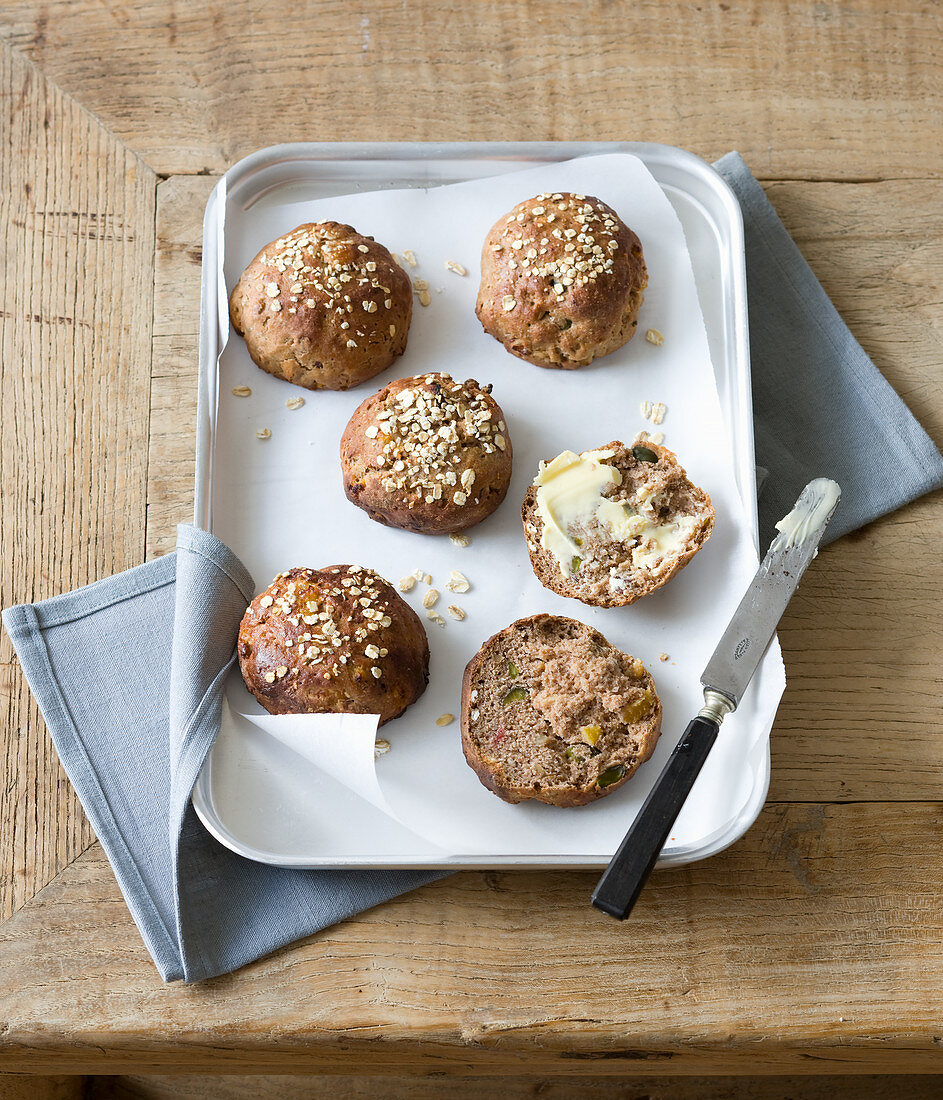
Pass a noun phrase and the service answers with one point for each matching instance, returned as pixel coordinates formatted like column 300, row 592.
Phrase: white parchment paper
column 280, row 503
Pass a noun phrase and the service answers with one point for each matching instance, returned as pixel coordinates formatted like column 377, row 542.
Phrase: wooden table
column 813, row 946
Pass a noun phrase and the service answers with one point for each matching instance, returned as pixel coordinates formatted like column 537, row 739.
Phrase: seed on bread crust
column 561, row 281
column 336, row 639
column 323, row 307
column 428, row 454
column 573, row 725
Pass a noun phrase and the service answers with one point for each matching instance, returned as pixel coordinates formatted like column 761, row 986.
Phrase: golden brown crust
column 561, row 280
column 323, row 307
column 339, row 639
column 666, row 476
column 561, row 633
column 427, row 454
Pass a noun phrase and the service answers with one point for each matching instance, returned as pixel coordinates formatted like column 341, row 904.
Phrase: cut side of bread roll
column 552, row 711
column 610, row 526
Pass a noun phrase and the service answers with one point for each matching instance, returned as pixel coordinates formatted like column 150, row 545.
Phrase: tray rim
column 651, row 153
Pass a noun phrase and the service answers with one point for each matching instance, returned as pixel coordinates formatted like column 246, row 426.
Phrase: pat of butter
column 807, row 516
column 569, row 492
column 622, row 522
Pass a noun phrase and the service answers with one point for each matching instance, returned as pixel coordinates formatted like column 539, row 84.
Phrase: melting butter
column 570, row 494
column 569, row 491
column 659, row 541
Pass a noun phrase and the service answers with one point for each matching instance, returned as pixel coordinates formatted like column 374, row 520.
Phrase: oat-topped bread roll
column 561, row 280
column 610, row 526
column 427, row 454
column 339, row 639
column 323, row 307
column 552, row 711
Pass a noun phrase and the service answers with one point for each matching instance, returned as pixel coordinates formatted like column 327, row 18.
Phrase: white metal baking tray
column 712, row 224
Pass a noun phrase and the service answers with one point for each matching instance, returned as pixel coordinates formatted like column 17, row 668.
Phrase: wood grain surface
column 77, row 226
column 904, row 1087
column 815, row 944
column 805, row 89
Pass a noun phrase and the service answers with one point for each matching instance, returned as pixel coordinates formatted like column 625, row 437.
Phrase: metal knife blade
column 754, row 622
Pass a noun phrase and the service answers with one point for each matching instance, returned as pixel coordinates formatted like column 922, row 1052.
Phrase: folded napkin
column 129, row 672
column 820, row 407
column 129, row 675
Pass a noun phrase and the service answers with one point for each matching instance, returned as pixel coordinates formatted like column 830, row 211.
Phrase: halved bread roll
column 610, row 526
column 551, row 711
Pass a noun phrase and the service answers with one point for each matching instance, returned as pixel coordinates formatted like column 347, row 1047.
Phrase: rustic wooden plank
column 44, row 1088
column 175, row 357
column 807, row 89
column 861, row 717
column 867, row 1087
column 171, row 442
column 181, row 201
column 814, row 945
column 77, row 225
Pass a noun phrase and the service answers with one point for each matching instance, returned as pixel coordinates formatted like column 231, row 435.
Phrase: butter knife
column 724, row 680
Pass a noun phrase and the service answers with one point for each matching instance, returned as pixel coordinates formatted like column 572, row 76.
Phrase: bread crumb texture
column 552, row 711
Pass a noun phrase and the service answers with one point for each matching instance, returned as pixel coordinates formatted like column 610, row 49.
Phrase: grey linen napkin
column 129, row 676
column 129, row 672
column 820, row 406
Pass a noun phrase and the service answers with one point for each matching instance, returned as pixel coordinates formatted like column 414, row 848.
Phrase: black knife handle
column 628, row 870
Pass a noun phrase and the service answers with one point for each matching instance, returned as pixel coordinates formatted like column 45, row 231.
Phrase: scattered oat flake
column 658, row 438
column 456, row 612
column 445, row 719
column 241, row 391
column 406, row 584
column 641, row 437
column 457, row 582
column 294, row 403
column 435, row 617
column 457, row 268
column 645, row 409
column 263, row 433
column 659, row 409
column 662, row 656
column 381, row 747
column 425, row 298
column 653, row 336
column 459, row 540
column 409, row 256
column 430, row 598
column 422, row 575
column 270, row 677
column 376, row 672
column 508, row 302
